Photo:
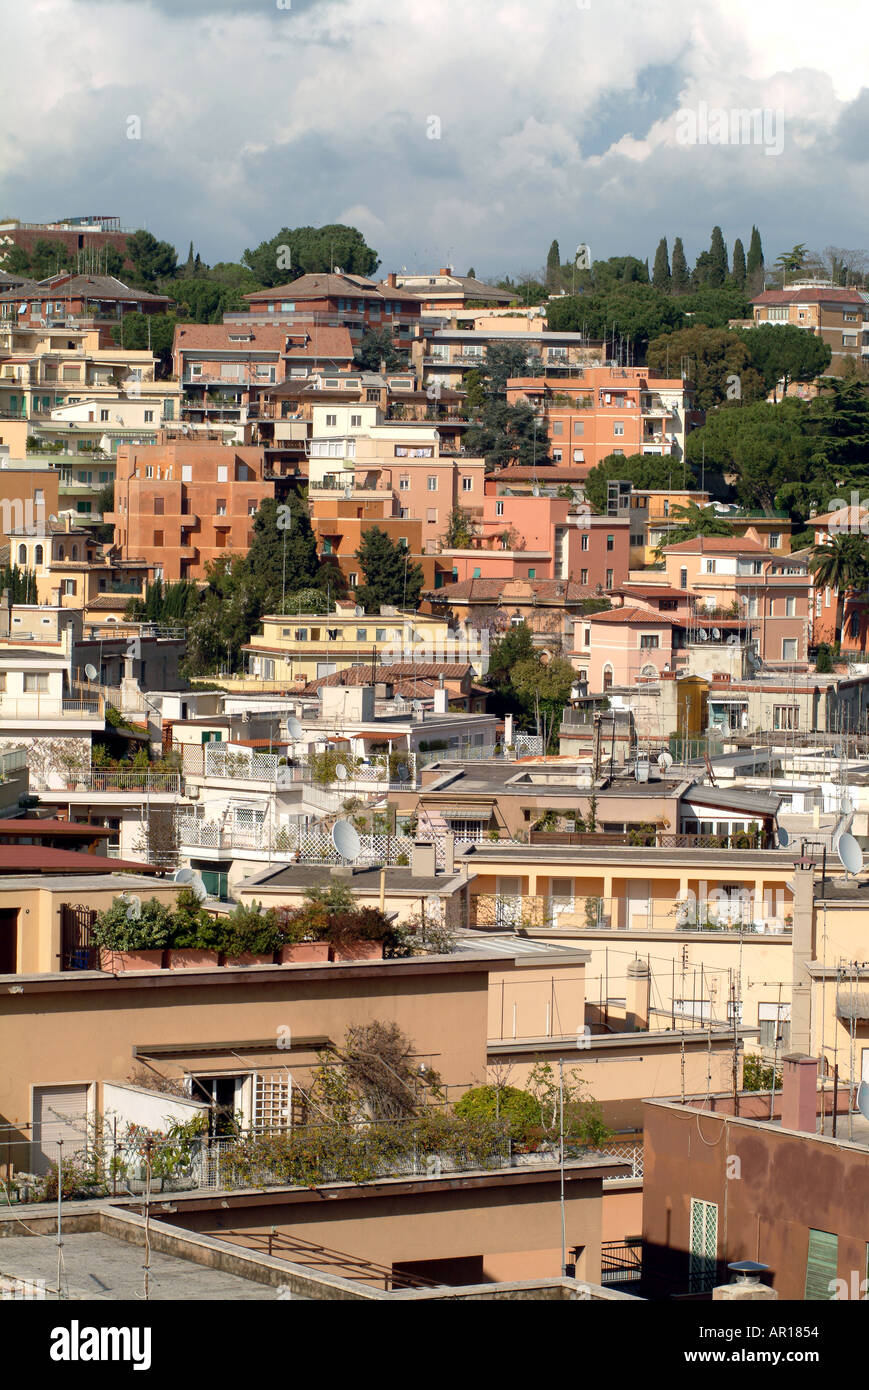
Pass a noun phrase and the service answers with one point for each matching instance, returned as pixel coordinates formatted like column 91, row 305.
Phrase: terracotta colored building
column 357, row 303
column 179, row 505
column 608, row 410
column 98, row 300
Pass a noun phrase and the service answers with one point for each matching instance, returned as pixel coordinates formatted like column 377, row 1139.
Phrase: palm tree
column 842, row 564
column 692, row 521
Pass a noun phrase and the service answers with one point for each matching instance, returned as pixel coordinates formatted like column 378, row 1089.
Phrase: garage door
column 59, row 1112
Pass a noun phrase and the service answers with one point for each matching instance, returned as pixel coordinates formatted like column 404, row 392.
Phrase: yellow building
column 70, row 569
column 295, row 650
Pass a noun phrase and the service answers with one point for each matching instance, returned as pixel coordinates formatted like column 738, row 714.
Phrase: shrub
column 193, row 927
column 518, row 1109
column 249, row 930
column 124, row 928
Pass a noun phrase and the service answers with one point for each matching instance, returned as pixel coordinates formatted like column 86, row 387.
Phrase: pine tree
column 738, row 264
column 390, row 575
column 718, row 258
column 281, row 558
column 471, row 275
column 754, row 262
column 680, row 279
column 661, row 271
column 553, row 266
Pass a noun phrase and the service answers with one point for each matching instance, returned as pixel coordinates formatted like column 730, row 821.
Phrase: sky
column 462, row 134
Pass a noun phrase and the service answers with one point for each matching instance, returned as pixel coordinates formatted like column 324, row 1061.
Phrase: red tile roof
column 563, row 591
column 641, row 616
column 310, row 342
column 832, row 294
column 716, row 545
column 35, row 859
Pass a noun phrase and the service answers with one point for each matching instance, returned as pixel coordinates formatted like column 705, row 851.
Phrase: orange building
column 338, row 524
column 607, row 410
column 180, row 505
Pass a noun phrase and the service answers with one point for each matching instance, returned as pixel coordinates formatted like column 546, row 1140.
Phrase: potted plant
column 250, row 936
column 132, row 935
column 196, row 935
column 297, row 938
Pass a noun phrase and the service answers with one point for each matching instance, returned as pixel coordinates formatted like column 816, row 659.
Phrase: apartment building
column 838, row 315
column 446, row 291
column 300, row 650
column 40, row 698
column 81, row 236
column 838, row 616
column 223, row 369
column 71, row 568
column 181, row 504
column 352, row 301
column 44, row 367
column 604, row 410
column 739, row 578
column 444, row 354
column 67, row 299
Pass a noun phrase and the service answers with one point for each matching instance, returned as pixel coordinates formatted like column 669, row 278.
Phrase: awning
column 480, row 813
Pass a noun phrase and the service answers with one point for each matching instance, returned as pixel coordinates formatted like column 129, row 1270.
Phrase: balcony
column 100, row 781
column 539, row 911
column 49, row 709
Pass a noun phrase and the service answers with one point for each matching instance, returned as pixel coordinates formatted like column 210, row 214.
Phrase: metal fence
column 510, row 911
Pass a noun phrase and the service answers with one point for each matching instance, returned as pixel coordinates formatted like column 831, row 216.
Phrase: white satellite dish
column 784, row 838
column 183, row 876
column 346, row 841
column 665, row 761
column 850, row 854
column 91, row 672
column 535, row 491
column 359, row 611
column 189, row 878
column 716, row 634
column 294, row 729
column 416, row 706
column 341, row 772
column 703, row 635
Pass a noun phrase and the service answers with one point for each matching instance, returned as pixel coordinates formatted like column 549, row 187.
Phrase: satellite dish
column 183, row 876
column 416, row 706
column 403, row 772
column 359, row 611
column 846, row 805
column 665, row 761
column 346, row 841
column 341, row 772
column 348, row 492
column 535, row 491
column 189, row 878
column 716, row 634
column 91, row 672
column 294, row 728
column 703, row 635
column 850, row 854
column 784, row 838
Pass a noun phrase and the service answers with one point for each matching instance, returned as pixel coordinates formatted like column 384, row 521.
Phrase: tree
column 839, row 421
column 508, row 434
column 471, row 275
column 553, row 266
column 718, row 258
column 784, row 353
column 643, row 470
column 841, row 564
column 739, row 271
column 519, row 1109
column 283, row 554
column 374, row 1075
column 628, row 315
column 680, row 279
column 719, row 365
column 296, row 251
column 506, row 360
column 377, row 349
column 714, row 308
column 475, row 389
column 543, row 689
column 693, row 521
column 170, row 603
column 661, row 268
column 148, row 332
column 390, row 575
column 460, row 530
column 151, row 258
column 792, row 260
column 763, row 446
column 21, row 584
column 515, row 645
column 754, row 263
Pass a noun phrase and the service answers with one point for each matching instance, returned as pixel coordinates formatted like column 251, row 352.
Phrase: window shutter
column 821, row 1263
column 703, row 1257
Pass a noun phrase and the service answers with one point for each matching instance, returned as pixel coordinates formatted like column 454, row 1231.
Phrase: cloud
column 554, row 121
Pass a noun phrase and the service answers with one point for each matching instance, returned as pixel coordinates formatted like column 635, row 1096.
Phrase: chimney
column 390, row 279
column 802, row 952
column 637, row 997
column 799, row 1093
column 423, row 863
column 746, row 1284
column 445, row 270
column 441, row 698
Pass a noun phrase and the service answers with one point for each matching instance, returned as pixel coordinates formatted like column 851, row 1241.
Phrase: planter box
column 123, row 962
column 189, row 958
column 304, row 950
column 249, row 959
column 359, row 950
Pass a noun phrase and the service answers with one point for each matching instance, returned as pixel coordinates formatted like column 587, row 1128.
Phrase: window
column 532, row 574
column 775, row 540
column 774, row 1021
column 683, row 579
column 579, row 427
column 751, row 608
column 583, row 576
column 650, row 639
column 432, row 482
column 579, row 456
column 251, row 506
column 556, row 455
column 708, row 566
column 38, row 555
column 618, row 428
column 362, row 634
column 220, row 507
column 477, row 574
column 331, row 420
column 789, row 650
column 22, row 554
column 467, row 484
column 609, row 579
column 158, row 537
column 499, row 508
column 703, row 1248
column 355, row 420
column 149, row 416
column 610, row 542
column 380, row 634
column 36, row 682
column 557, row 426
column 353, row 579
column 158, row 506
column 222, row 473
column 607, row 677
column 779, row 312
column 431, row 514
column 786, row 717
column 583, row 542
column 404, row 483
column 790, row 608
column 822, row 1261
column 187, row 473
column 104, row 415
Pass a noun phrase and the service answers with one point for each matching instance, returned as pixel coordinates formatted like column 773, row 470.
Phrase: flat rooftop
column 102, row 1267
column 398, row 880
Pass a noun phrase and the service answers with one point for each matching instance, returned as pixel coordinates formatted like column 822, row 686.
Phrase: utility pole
column 564, row 1271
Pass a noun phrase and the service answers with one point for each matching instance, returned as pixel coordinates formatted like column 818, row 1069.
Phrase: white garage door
column 59, row 1112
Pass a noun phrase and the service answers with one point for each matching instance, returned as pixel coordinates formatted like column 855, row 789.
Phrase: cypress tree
column 188, row 266
column 661, row 270
column 471, row 275
column 754, row 262
column 738, row 264
column 718, row 262
column 680, row 279
column 553, row 266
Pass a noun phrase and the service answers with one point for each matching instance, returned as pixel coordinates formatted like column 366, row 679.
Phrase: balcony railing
column 49, row 707
column 102, row 780
column 714, row 912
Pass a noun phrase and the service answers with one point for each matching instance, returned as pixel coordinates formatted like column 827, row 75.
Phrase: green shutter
column 821, row 1264
column 703, row 1257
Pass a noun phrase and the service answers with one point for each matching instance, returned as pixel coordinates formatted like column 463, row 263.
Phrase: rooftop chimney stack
column 799, row 1094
